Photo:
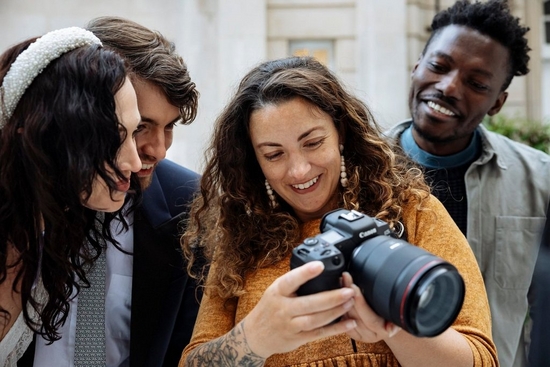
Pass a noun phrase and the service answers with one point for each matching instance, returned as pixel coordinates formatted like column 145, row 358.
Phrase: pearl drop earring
column 272, row 200
column 343, row 174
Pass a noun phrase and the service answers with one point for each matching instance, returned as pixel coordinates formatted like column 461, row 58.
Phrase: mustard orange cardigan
column 431, row 229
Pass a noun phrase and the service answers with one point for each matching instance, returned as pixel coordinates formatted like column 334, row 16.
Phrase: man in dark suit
column 150, row 302
column 164, row 300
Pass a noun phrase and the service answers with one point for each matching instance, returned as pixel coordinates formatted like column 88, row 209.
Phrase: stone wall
column 371, row 45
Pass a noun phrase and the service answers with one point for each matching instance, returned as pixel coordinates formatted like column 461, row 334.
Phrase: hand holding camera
column 402, row 283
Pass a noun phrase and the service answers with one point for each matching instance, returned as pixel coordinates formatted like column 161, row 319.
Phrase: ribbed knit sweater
column 431, row 229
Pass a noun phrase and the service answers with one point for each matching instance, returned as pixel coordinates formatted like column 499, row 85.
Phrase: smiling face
column 155, row 132
column 296, row 145
column 127, row 159
column 454, row 85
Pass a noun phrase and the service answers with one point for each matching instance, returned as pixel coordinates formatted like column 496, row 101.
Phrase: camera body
column 342, row 231
column 404, row 284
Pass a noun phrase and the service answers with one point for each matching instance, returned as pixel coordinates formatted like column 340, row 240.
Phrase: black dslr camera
column 402, row 283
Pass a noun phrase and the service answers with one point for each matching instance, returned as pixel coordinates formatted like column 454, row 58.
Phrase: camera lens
column 436, row 300
column 407, row 285
column 426, row 296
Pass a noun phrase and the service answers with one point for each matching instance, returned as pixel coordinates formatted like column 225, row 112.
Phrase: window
column 322, row 50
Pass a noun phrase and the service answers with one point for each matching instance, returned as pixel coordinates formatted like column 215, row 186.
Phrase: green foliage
column 533, row 133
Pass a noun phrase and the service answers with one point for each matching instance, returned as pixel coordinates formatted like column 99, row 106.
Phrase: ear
column 498, row 104
column 341, row 135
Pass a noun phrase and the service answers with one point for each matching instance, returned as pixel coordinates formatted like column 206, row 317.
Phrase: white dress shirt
column 118, row 300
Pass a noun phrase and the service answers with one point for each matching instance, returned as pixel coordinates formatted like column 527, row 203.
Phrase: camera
column 402, row 283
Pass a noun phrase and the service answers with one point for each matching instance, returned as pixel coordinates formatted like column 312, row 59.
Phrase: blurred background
column 370, row 44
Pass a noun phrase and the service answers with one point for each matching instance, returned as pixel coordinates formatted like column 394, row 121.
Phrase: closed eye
column 139, row 128
column 314, row 144
column 479, row 86
column 438, row 68
column 273, row 156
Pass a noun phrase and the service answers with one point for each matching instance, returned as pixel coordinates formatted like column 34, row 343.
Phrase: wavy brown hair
column 232, row 219
column 64, row 134
column 151, row 57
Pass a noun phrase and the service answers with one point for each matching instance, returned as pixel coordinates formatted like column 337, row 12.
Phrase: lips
column 306, row 187
column 123, row 186
column 438, row 108
column 146, row 170
column 307, row 184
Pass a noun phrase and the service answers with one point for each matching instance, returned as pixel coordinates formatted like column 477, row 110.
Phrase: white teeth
column 441, row 109
column 306, row 185
column 147, row 166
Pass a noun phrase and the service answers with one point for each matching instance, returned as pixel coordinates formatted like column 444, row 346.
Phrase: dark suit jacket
column 164, row 299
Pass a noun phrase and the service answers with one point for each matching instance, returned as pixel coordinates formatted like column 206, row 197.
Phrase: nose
column 153, row 144
column 299, row 167
column 450, row 85
column 128, row 159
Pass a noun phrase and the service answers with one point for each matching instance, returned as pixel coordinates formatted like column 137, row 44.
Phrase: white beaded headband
column 30, row 63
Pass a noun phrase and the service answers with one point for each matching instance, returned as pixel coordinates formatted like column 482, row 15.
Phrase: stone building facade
column 371, row 44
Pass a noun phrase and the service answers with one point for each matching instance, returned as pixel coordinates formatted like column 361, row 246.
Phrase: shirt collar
column 429, row 160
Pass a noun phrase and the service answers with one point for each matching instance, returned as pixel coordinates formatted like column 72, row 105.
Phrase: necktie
column 90, row 319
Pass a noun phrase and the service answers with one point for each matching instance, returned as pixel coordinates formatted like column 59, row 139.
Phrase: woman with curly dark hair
column 291, row 146
column 68, row 114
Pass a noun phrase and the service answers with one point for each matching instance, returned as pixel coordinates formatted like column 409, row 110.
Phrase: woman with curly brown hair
column 291, row 146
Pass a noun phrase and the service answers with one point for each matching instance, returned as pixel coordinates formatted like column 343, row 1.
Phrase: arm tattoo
column 229, row 350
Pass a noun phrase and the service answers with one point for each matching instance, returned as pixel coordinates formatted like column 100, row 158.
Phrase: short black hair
column 493, row 19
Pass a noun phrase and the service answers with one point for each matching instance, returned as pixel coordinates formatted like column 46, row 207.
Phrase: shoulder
column 510, row 150
column 397, row 129
column 171, row 190
column 174, row 178
column 427, row 218
column 167, row 170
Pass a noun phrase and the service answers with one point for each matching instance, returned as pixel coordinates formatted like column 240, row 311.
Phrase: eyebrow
column 448, row 58
column 301, row 137
column 151, row 121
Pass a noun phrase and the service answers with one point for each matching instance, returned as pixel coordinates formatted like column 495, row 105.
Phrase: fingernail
column 316, row 265
column 349, row 304
column 351, row 324
column 344, row 278
column 347, row 292
column 394, row 330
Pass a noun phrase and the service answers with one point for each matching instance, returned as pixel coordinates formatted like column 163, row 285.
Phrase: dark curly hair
column 232, row 218
column 493, row 19
column 63, row 135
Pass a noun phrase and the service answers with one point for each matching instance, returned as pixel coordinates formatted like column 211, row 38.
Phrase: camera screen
column 331, row 236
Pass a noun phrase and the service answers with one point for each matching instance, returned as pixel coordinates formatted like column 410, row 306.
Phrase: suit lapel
column 161, row 324
column 151, row 276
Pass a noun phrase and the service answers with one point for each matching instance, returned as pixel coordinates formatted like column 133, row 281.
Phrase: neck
column 430, row 160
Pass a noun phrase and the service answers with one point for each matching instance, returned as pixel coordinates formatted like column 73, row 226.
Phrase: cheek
column 273, row 172
column 100, row 192
column 420, row 78
column 264, row 166
column 337, row 164
column 140, row 142
column 168, row 139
